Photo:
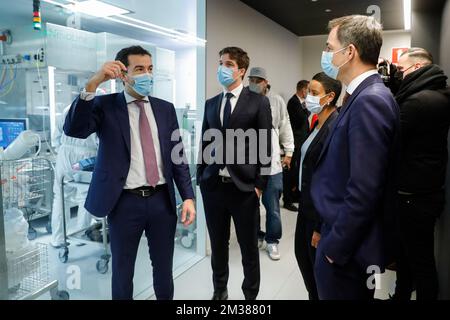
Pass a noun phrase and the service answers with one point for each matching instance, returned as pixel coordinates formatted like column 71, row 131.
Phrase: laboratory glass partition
column 48, row 52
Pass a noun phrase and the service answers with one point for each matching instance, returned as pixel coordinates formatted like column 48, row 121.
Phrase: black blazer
column 306, row 205
column 252, row 111
column 299, row 120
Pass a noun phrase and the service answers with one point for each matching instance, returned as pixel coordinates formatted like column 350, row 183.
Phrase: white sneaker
column 272, row 250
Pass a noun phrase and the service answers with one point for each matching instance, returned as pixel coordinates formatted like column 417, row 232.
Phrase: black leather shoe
column 290, row 207
column 220, row 295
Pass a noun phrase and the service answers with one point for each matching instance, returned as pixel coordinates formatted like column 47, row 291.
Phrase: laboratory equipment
column 21, row 145
column 53, row 80
column 102, row 264
column 24, row 271
column 184, row 236
column 28, row 181
column 10, row 129
column 36, row 14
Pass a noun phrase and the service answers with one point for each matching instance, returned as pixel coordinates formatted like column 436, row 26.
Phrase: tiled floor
column 280, row 280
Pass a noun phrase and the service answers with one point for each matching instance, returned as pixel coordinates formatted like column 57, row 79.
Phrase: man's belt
column 146, row 192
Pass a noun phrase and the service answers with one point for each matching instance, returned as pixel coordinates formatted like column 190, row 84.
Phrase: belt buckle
column 145, row 193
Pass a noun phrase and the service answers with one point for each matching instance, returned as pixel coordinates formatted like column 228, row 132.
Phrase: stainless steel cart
column 185, row 236
column 24, row 274
column 102, row 264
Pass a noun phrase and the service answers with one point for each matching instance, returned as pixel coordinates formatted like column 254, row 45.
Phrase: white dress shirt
column 136, row 175
column 233, row 101
column 359, row 79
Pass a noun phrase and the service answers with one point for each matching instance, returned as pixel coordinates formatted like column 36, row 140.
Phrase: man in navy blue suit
column 352, row 182
column 133, row 178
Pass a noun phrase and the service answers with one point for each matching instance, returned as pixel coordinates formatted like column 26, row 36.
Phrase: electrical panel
column 24, row 60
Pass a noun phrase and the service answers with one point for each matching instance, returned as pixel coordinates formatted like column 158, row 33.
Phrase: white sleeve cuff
column 87, row 96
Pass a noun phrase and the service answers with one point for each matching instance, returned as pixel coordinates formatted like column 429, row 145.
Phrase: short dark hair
column 419, row 54
column 302, row 84
column 364, row 32
column 123, row 54
column 330, row 85
column 240, row 56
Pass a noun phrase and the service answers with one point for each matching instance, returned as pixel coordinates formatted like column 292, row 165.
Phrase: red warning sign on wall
column 396, row 53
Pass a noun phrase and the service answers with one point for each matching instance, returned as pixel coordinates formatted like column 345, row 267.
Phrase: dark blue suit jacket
column 353, row 182
column 252, row 112
column 108, row 116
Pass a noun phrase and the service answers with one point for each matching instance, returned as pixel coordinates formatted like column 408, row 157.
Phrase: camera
column 388, row 73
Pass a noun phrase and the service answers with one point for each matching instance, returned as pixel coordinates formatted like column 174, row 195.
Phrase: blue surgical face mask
column 327, row 64
column 225, row 76
column 255, row 87
column 313, row 104
column 143, row 84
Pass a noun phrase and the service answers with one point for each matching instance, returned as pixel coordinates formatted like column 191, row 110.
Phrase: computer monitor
column 10, row 130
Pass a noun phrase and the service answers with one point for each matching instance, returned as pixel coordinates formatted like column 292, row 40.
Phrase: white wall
column 394, row 39
column 313, row 46
column 232, row 23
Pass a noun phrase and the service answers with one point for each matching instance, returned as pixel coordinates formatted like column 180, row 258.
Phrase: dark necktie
column 306, row 109
column 227, row 111
column 148, row 148
column 225, row 123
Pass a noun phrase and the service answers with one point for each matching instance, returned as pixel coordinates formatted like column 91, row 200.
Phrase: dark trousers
column 290, row 180
column 221, row 204
column 132, row 216
column 335, row 282
column 416, row 265
column 305, row 253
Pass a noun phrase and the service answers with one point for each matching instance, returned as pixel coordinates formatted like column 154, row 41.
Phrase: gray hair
column 419, row 55
column 364, row 32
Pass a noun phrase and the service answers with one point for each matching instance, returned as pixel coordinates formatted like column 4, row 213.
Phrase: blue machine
column 10, row 130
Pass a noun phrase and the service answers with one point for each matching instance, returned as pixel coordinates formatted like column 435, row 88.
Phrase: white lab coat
column 69, row 151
